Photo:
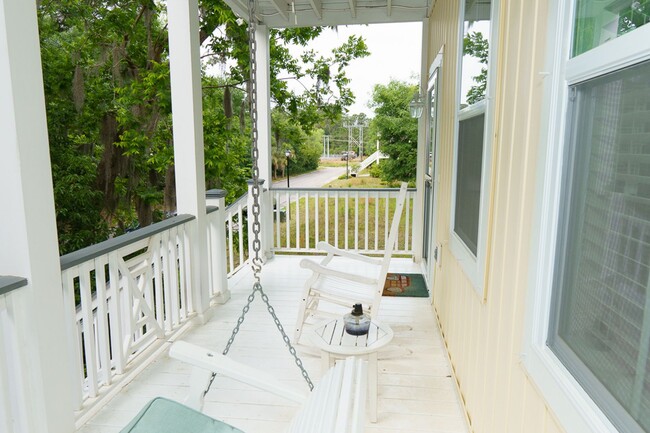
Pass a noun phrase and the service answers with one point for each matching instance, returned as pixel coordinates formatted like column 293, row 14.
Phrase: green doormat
column 405, row 285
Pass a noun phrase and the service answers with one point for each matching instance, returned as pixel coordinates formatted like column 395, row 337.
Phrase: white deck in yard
column 416, row 390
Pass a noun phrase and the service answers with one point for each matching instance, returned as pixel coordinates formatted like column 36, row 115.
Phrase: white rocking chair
column 337, row 280
column 336, row 404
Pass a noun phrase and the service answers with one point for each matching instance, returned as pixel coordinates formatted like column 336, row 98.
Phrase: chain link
column 256, row 260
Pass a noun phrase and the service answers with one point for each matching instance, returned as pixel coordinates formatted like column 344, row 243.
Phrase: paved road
column 315, row 179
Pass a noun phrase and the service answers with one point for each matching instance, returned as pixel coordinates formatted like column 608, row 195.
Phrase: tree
column 327, row 98
column 475, row 45
column 107, row 89
column 397, row 129
column 305, row 147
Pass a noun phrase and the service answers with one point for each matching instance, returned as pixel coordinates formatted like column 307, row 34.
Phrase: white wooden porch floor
column 416, row 390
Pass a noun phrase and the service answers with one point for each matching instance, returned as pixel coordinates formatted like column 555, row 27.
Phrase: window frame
column 574, row 408
column 474, row 265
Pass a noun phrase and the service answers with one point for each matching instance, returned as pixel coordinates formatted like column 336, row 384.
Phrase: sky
column 395, row 52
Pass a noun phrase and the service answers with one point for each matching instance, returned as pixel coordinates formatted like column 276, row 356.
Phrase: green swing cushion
column 161, row 415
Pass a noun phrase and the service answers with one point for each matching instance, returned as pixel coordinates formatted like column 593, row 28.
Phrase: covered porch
column 84, row 337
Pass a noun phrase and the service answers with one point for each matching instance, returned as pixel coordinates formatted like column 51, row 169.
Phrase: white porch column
column 28, row 237
column 187, row 116
column 264, row 133
column 423, row 158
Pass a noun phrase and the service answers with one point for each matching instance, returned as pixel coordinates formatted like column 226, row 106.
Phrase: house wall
column 484, row 337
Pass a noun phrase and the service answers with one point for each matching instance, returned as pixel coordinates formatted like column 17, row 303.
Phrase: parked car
column 351, row 154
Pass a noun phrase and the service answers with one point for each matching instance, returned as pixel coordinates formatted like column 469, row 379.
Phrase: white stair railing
column 348, row 218
column 370, row 159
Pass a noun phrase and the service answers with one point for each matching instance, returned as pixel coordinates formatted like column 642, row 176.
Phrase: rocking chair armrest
column 324, row 270
column 218, row 363
column 330, row 249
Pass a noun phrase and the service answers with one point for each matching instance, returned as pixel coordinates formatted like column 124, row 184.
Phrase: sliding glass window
column 600, row 319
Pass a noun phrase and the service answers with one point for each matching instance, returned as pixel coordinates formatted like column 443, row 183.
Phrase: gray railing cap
column 252, row 181
column 216, row 193
column 96, row 250
column 9, row 283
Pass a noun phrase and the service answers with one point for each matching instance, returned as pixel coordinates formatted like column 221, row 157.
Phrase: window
column 473, row 143
column 601, row 328
column 588, row 327
column 468, row 179
column 599, row 22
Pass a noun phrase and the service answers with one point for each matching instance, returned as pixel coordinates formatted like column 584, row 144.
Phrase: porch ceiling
column 308, row 13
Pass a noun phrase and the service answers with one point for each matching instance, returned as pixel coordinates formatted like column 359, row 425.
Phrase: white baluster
column 365, row 226
column 297, row 220
column 231, row 255
column 336, row 219
column 278, row 220
column 327, row 218
column 307, row 220
column 102, row 320
column 167, row 281
column 88, row 329
column 117, row 312
column 173, row 266
column 240, row 230
column 407, row 223
column 316, row 212
column 356, row 220
column 183, row 260
column 346, row 219
column 376, row 212
column 288, row 219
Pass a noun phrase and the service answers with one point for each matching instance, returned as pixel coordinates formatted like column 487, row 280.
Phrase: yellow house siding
column 484, row 338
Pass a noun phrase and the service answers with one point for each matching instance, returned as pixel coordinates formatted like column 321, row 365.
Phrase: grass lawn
column 336, row 162
column 357, row 182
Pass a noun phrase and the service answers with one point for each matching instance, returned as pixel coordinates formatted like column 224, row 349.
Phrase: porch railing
column 121, row 295
column 236, row 217
column 13, row 417
column 349, row 218
column 125, row 294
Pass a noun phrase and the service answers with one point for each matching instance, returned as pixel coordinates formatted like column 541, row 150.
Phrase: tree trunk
column 169, row 197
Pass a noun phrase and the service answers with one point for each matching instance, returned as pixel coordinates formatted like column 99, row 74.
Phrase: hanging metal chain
column 256, row 260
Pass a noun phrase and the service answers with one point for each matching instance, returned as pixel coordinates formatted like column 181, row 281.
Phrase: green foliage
column 305, row 148
column 327, row 98
column 475, row 45
column 397, row 129
column 375, row 170
column 227, row 149
column 108, row 100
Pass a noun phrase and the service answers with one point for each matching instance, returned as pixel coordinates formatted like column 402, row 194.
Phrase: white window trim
column 474, row 265
column 573, row 407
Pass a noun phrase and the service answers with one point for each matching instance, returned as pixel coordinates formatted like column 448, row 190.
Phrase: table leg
column 372, row 385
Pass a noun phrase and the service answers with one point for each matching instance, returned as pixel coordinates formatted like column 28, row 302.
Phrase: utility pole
column 352, row 141
column 326, row 146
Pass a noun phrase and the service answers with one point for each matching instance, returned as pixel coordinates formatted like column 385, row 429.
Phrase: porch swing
column 335, row 405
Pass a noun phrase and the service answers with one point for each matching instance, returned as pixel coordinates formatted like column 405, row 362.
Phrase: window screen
column 468, row 180
column 601, row 324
